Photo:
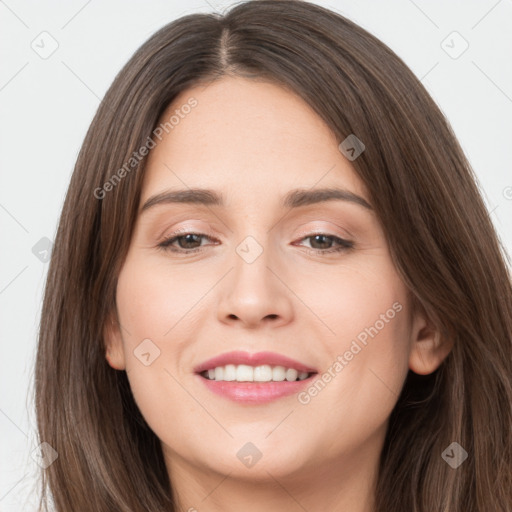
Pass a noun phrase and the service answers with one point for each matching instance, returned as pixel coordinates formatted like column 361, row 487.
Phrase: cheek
column 155, row 304
column 364, row 301
column 367, row 313
column 153, row 307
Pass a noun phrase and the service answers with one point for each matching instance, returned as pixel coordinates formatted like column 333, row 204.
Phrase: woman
column 274, row 285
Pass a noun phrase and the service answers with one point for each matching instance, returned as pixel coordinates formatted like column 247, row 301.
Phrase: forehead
column 242, row 135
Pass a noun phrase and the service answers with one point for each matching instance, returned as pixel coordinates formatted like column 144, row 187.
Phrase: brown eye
column 322, row 243
column 186, row 242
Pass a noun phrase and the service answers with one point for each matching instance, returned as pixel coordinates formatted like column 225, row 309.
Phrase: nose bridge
column 253, row 251
column 253, row 292
column 252, row 261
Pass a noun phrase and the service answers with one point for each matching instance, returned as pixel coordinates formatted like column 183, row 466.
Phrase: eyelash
column 165, row 245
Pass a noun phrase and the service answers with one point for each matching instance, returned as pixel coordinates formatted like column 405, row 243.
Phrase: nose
column 255, row 293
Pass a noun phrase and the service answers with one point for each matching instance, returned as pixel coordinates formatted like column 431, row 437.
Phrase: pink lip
column 257, row 359
column 254, row 392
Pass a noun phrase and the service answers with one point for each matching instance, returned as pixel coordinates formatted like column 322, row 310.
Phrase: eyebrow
column 293, row 199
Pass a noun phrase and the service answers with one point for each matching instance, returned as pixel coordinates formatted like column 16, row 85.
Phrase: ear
column 113, row 343
column 428, row 347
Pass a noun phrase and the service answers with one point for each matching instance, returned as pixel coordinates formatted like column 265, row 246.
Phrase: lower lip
column 255, row 392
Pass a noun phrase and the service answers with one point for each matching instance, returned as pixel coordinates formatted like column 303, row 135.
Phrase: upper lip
column 256, row 359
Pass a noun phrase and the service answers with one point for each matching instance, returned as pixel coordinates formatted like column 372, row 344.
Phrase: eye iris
column 189, row 238
column 324, row 237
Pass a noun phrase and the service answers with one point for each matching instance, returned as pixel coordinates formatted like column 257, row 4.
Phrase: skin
column 253, row 142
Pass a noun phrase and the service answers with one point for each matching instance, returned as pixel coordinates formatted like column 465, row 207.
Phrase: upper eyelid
column 302, row 232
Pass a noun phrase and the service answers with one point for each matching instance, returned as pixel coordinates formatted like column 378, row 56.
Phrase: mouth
column 262, row 373
column 254, row 378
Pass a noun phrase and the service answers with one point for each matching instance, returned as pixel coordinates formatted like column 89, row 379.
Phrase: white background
column 47, row 105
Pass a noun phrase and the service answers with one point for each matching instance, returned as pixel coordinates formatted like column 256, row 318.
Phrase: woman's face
column 273, row 271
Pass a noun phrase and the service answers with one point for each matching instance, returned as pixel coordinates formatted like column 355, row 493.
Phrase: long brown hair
column 423, row 190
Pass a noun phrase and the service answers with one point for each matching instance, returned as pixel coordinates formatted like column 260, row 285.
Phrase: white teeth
column 278, row 373
column 246, row 373
column 291, row 374
column 230, row 372
column 263, row 373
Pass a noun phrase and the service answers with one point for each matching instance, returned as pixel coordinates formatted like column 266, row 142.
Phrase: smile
column 254, row 378
column 246, row 373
